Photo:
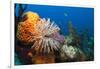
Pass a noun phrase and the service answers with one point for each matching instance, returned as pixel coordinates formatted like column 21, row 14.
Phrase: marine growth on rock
column 43, row 33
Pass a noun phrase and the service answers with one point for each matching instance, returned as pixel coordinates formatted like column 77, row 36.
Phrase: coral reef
column 71, row 53
column 73, row 35
column 42, row 41
column 42, row 34
column 43, row 58
column 87, row 45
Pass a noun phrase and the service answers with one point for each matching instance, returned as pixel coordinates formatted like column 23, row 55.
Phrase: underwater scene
column 46, row 34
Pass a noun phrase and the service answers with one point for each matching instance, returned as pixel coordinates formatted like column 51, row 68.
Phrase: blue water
column 82, row 18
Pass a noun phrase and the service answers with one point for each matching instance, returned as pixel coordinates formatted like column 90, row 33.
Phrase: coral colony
column 42, row 32
column 39, row 40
